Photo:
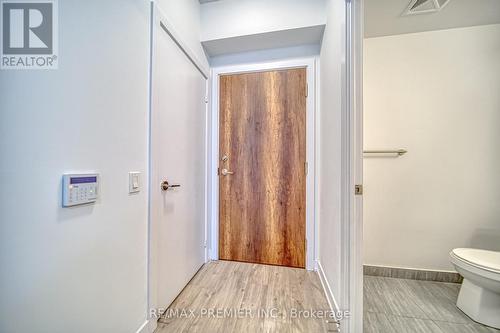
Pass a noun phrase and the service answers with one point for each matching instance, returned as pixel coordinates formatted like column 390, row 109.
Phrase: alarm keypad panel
column 79, row 189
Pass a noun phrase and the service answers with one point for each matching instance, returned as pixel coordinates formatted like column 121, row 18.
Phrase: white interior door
column 178, row 155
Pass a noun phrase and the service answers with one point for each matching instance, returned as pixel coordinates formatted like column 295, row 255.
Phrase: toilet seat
column 482, row 259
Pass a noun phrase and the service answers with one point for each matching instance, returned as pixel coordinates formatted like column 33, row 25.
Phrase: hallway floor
column 400, row 305
column 241, row 297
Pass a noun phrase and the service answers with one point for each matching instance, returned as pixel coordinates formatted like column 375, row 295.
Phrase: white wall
column 311, row 50
column 332, row 66
column 230, row 18
column 437, row 95
column 80, row 269
column 184, row 15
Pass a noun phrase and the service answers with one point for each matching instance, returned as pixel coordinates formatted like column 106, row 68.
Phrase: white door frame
column 352, row 169
column 311, row 188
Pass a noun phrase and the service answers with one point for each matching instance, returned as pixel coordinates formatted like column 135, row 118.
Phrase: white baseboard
column 330, row 297
column 149, row 326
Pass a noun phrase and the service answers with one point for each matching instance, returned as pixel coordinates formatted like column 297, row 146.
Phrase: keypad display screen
column 83, row 180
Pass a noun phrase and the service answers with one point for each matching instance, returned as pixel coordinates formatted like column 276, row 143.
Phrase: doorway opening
column 431, row 121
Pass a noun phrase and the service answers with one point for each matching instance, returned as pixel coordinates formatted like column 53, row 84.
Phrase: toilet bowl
column 479, row 296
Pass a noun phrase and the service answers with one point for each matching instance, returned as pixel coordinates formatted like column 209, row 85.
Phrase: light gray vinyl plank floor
column 225, row 285
column 400, row 305
column 391, row 305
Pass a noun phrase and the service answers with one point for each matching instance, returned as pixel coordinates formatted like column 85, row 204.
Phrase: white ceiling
column 383, row 17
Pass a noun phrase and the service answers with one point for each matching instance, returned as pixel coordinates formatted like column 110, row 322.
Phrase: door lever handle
column 165, row 185
column 226, row 172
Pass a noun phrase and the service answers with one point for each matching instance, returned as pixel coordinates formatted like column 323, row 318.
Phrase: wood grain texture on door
column 262, row 206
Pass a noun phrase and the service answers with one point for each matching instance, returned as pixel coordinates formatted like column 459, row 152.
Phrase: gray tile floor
column 399, row 305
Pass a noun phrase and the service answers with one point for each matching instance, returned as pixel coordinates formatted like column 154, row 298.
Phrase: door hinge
column 306, row 168
column 218, row 171
column 206, row 100
column 358, row 190
column 307, row 89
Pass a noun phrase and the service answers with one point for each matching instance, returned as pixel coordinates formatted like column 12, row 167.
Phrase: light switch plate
column 134, row 182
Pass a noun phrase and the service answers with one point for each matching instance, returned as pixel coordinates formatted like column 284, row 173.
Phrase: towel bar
column 399, row 152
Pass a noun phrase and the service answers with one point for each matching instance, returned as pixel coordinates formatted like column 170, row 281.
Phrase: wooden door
column 262, row 146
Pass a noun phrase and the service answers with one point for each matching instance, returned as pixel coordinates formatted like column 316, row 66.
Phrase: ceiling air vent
column 425, row 6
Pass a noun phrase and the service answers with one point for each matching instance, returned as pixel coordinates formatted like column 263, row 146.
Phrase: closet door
column 178, row 155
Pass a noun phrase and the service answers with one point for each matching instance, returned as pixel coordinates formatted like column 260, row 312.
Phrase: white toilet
column 479, row 296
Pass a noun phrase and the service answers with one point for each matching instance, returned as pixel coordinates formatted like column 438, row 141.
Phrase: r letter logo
column 29, row 34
